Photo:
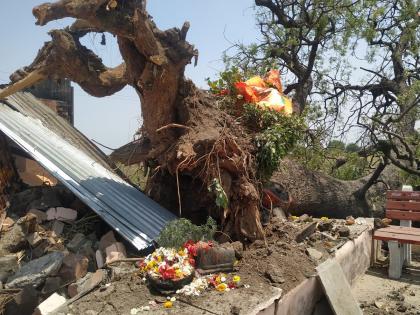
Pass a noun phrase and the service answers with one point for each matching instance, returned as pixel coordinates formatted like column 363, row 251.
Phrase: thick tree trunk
column 187, row 141
column 314, row 193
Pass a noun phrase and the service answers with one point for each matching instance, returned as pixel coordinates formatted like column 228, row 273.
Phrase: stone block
column 50, row 305
column 76, row 242
column 34, row 272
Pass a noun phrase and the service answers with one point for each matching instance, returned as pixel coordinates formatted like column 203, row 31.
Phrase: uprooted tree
column 195, row 148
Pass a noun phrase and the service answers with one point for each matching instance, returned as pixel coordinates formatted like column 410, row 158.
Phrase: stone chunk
column 307, row 231
column 50, row 305
column 74, row 267
column 34, row 272
column 41, row 216
column 90, row 281
column 314, row 253
column 76, row 242
column 343, row 231
column 115, row 252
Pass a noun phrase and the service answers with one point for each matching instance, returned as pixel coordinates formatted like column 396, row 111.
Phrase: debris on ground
column 59, row 257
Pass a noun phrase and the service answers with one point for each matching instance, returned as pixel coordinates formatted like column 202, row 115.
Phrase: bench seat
column 402, row 234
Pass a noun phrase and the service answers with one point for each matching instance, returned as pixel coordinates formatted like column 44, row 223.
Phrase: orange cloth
column 258, row 91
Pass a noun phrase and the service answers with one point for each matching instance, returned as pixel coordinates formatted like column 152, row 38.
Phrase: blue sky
column 113, row 120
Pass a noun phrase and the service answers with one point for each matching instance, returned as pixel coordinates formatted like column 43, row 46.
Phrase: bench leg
column 396, row 259
column 407, row 247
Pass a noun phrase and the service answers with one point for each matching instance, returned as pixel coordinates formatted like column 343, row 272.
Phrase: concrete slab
column 337, row 289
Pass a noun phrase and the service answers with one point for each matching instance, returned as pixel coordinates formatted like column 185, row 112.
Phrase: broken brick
column 115, row 252
column 66, row 214
column 74, row 267
column 107, row 240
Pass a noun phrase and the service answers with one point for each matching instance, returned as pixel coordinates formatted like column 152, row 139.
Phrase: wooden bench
column 403, row 206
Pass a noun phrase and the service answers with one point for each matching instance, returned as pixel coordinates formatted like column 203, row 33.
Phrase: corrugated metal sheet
column 77, row 164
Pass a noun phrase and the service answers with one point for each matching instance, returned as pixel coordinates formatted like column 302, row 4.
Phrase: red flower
column 231, row 285
column 191, row 248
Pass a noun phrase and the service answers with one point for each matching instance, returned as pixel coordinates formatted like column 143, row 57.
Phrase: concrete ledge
column 354, row 258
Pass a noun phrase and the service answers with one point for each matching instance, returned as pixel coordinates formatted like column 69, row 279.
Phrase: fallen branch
column 32, row 78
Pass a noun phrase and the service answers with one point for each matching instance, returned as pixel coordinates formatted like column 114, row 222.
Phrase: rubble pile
column 51, row 252
column 55, row 250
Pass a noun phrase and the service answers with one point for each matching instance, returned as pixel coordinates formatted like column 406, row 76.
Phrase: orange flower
column 221, row 287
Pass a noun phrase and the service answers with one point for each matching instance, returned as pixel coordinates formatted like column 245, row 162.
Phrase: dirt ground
column 379, row 295
column 264, row 268
column 281, row 263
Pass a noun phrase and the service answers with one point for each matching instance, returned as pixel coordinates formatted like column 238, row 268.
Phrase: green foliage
column 217, row 189
column 355, row 167
column 179, row 231
column 352, row 147
column 336, row 144
column 279, row 134
column 226, row 80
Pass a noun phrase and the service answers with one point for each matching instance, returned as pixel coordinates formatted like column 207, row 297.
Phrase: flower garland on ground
column 171, row 263
column 168, row 264
column 220, row 282
column 176, row 264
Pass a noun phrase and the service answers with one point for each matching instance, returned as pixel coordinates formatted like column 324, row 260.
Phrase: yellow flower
column 179, row 273
column 236, row 279
column 294, row 218
column 151, row 264
column 181, row 253
column 218, row 279
column 221, row 287
column 168, row 304
column 324, row 219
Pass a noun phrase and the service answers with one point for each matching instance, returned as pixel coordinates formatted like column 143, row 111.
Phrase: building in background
column 57, row 95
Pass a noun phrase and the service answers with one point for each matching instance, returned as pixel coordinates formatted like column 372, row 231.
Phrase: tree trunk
column 187, row 141
column 317, row 194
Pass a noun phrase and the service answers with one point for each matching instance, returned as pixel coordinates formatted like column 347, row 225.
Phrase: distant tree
column 336, row 144
column 352, row 147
